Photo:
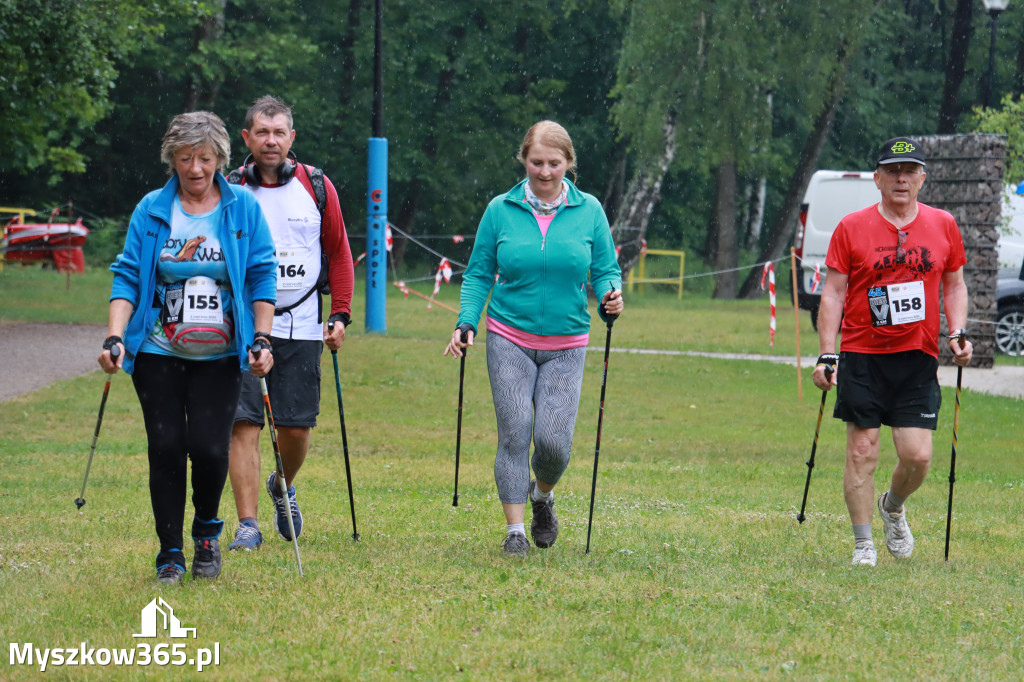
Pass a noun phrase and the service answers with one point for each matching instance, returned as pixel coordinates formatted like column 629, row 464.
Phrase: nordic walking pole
column 115, row 351
column 344, row 437
column 281, row 482
column 458, row 431
column 600, row 420
column 810, row 462
column 961, row 339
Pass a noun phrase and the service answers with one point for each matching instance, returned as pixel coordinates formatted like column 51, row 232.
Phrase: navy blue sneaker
column 246, row 537
column 282, row 508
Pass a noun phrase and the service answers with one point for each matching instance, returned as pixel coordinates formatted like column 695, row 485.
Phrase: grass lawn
column 697, row 570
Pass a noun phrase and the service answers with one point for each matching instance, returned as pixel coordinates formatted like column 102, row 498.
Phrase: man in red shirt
column 885, row 265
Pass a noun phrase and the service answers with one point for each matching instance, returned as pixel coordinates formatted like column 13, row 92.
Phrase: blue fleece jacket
column 248, row 252
column 542, row 280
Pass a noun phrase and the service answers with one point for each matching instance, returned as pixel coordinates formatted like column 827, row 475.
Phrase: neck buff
column 543, row 208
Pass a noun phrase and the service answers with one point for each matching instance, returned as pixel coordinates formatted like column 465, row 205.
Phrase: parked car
column 1010, row 314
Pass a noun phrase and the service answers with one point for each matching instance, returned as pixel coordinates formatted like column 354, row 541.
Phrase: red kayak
column 60, row 243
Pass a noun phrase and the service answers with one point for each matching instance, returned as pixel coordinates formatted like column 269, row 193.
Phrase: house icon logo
column 157, row 613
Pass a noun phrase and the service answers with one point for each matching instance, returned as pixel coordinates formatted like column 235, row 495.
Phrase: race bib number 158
column 896, row 304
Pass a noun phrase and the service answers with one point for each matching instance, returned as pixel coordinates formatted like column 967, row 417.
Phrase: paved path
column 36, row 355
column 1001, row 380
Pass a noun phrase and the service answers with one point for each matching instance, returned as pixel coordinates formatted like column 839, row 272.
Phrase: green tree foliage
column 1008, row 119
column 744, row 82
column 59, row 60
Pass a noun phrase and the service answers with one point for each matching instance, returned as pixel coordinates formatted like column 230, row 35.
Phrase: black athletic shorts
column 293, row 385
column 895, row 389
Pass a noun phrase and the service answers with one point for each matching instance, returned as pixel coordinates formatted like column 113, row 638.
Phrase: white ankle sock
column 539, row 495
column 517, row 528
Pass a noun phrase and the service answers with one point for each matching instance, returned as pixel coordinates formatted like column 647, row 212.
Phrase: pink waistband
column 536, row 341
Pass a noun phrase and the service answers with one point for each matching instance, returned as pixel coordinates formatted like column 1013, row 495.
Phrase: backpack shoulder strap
column 316, row 180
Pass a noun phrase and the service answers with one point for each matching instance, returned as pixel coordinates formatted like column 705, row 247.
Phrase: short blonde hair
column 196, row 129
column 549, row 134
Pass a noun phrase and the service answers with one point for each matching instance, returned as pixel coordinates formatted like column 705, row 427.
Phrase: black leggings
column 189, row 410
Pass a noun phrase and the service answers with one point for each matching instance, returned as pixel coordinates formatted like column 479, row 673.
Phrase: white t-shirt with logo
column 294, row 223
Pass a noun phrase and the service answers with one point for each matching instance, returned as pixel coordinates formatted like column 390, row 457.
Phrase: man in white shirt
column 301, row 206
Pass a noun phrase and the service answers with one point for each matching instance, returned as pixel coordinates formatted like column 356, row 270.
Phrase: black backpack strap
column 288, row 308
column 316, row 180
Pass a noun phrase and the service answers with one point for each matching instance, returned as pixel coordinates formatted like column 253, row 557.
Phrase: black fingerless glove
column 829, row 360
column 260, row 344
column 339, row 317
column 465, row 328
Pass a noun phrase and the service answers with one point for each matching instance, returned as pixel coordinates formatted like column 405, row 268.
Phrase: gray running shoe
column 169, row 574
column 864, row 554
column 544, row 526
column 206, row 562
column 898, row 538
column 515, row 544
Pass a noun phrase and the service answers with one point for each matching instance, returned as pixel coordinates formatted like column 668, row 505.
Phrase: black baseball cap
column 901, row 150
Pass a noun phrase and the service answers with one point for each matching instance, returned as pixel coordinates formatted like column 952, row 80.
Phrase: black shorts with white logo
column 895, row 389
column 293, row 385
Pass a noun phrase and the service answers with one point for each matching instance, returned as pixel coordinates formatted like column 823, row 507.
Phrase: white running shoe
column 864, row 554
column 898, row 538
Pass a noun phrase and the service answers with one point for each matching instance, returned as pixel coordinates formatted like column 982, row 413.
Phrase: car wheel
column 1010, row 330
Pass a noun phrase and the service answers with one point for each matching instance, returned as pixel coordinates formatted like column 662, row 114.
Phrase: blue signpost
column 377, row 195
column 376, row 221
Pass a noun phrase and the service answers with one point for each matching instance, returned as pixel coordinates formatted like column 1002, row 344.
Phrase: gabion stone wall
column 965, row 177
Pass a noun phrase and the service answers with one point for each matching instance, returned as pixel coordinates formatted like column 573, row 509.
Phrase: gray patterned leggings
column 536, row 395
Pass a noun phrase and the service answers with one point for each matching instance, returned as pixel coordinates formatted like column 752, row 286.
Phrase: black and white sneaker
column 544, row 526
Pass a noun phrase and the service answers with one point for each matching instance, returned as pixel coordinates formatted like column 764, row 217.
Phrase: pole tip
column 800, row 518
column 355, row 536
column 79, row 502
column 455, row 501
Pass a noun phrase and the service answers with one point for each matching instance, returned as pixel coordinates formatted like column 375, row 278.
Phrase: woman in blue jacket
column 535, row 248
column 192, row 300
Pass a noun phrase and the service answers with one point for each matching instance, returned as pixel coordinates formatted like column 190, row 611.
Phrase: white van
column 830, row 196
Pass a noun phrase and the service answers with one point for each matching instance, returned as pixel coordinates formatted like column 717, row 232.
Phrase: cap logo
column 902, row 148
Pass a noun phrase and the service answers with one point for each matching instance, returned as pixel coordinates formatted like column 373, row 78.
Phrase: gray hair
column 196, row 129
column 270, row 107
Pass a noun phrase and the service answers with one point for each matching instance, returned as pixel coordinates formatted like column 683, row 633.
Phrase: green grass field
column 697, row 570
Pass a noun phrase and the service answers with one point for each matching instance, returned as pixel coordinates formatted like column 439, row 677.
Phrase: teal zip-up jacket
column 541, row 285
column 248, row 253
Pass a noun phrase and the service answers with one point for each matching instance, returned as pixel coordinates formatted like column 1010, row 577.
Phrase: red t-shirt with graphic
column 892, row 306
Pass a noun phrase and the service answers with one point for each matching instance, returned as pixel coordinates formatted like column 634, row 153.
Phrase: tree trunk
column 726, row 244
column 960, row 41
column 197, row 93
column 782, row 228
column 755, row 208
column 629, row 228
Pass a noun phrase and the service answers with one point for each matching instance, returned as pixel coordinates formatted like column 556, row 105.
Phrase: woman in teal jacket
column 194, row 288
column 535, row 248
